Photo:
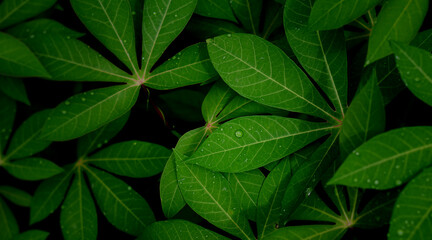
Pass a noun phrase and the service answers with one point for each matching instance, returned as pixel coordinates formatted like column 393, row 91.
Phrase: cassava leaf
column 203, row 28
column 310, row 232
column 215, row 9
column 7, row 117
column 387, row 160
column 121, row 205
column 9, row 226
column 16, row 196
column 248, row 13
column 183, row 104
column 260, row 71
column 252, row 142
column 14, row 88
column 14, row 11
column 31, row 28
column 273, row 18
column 32, row 235
column 85, row 112
column 216, row 100
column 32, row 169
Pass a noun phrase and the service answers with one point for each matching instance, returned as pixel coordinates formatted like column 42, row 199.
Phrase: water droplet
column 44, row 31
column 154, row 13
column 105, row 141
column 175, row 15
column 357, row 153
column 368, row 180
column 67, row 103
column 400, row 232
column 125, row 41
column 134, row 143
column 174, row 57
column 129, row 188
column 68, row 37
column 224, row 189
column 3, row 130
column 99, row 145
column 223, row 57
column 32, row 36
column 63, row 112
column 417, row 79
column 308, row 192
column 133, row 12
column 398, row 182
column 229, row 35
column 376, row 182
column 397, row 166
column 83, row 99
column 408, row 73
column 239, row 133
column 397, row 57
column 355, row 180
column 92, row 93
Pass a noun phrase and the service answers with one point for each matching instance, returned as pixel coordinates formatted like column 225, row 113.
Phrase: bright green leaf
column 311, row 232
column 32, row 169
column 248, row 13
column 28, row 29
column 9, row 226
column 15, row 195
column 32, row 235
column 7, row 117
column 14, row 11
column 14, row 88
column 220, row 9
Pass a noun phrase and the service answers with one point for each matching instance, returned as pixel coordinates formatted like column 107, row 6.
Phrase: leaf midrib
column 420, row 69
column 13, row 10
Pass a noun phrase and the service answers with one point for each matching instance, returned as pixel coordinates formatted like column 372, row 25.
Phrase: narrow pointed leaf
column 398, row 20
column 14, row 88
column 411, row 218
column 330, row 14
column 86, row 112
column 203, row 28
column 220, row 9
column 273, row 18
column 260, row 71
column 72, row 60
column 132, row 158
column 415, row 67
column 248, row 12
column 210, row 196
column 16, row 196
column 311, row 232
column 9, row 226
column 111, row 23
column 247, row 143
column 314, row 209
column 121, row 205
column 16, row 59
column 216, row 99
column 378, row 210
column 49, row 195
column 387, row 160
column 183, row 104
column 14, row 11
column 321, row 53
column 32, row 169
column 78, row 217
column 7, row 117
column 178, row 230
column 25, row 30
column 162, row 23
column 32, row 235
column 26, row 142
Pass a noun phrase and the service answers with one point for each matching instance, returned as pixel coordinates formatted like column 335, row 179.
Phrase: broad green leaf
column 387, row 160
column 220, row 9
column 270, row 198
column 111, row 23
column 411, row 218
column 42, row 25
column 247, row 143
column 183, row 104
column 16, row 59
column 14, row 11
column 216, row 100
column 330, row 14
column 32, row 169
column 7, row 117
column 246, row 187
column 15, row 195
column 178, row 230
column 78, row 216
column 398, row 20
column 190, row 66
column 415, row 67
column 321, row 53
column 260, row 71
column 364, row 119
column 132, row 159
column 32, row 235
column 9, row 226
column 209, row 194
column 101, row 136
column 121, row 205
column 14, row 88
column 71, row 60
column 310, row 232
column 48, row 195
column 162, row 23
column 378, row 210
column 86, row 112
column 203, row 28
column 26, row 142
column 248, row 13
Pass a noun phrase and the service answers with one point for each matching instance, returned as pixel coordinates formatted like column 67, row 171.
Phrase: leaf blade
column 32, row 169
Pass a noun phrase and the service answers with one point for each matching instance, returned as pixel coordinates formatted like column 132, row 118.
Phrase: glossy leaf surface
column 215, row 9
column 14, row 11
column 9, row 226
column 32, row 168
column 16, row 196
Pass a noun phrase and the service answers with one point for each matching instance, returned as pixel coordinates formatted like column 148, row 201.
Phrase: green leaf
column 101, row 136
column 183, row 104
column 330, row 14
column 378, row 210
column 9, row 226
column 32, row 169
column 190, row 66
column 16, row 59
column 398, row 20
column 49, row 195
column 273, row 18
column 411, row 218
column 248, row 13
column 387, row 160
column 311, row 232
column 215, row 9
column 26, row 142
column 112, row 24
column 209, row 194
column 14, row 88
column 25, row 30
column 415, row 67
column 121, row 205
column 255, row 141
column 322, row 54
column 203, row 28
column 78, row 217
column 162, row 23
column 246, row 187
column 260, row 71
column 178, row 230
column 132, row 159
column 364, row 119
column 86, row 112
column 216, row 100
column 14, row 11
column 69, row 59
column 32, row 235
column 270, row 198
column 15, row 195
column 7, row 117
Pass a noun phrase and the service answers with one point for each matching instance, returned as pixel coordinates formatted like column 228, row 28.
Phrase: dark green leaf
column 184, row 104
column 14, row 88
column 17, row 196
column 216, row 100
column 9, row 226
column 7, row 117
column 32, row 235
column 14, row 11
column 32, row 169
column 311, row 232
column 378, row 210
column 248, row 13
column 215, row 9
column 42, row 25
column 203, row 28
column 273, row 18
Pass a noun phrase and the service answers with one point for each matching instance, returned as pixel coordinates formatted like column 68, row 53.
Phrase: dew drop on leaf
column 83, row 99
column 229, row 35
column 308, row 191
column 398, row 182
column 32, row 36
column 63, row 112
column 239, row 133
column 355, row 180
column 376, row 182
column 400, row 232
column 129, row 188
column 154, row 13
